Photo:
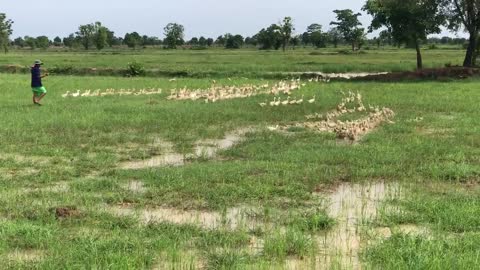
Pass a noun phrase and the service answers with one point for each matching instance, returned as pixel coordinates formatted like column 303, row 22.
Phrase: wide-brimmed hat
column 38, row 62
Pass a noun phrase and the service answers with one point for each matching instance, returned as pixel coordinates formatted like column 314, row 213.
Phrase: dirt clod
column 66, row 212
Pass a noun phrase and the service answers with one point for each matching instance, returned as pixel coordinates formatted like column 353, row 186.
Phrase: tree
column 385, row 37
column 286, row 29
column 86, row 35
column 295, row 41
column 5, row 31
column 210, row 42
column 112, row 40
column 132, row 40
column 57, row 41
column 69, row 41
column 174, row 34
column 202, row 41
column 466, row 14
column 315, row 35
column 409, row 21
column 233, row 42
column 270, row 38
column 31, row 42
column 194, row 41
column 334, row 36
column 348, row 24
column 251, row 41
column 19, row 42
column 42, row 42
column 220, row 41
column 101, row 36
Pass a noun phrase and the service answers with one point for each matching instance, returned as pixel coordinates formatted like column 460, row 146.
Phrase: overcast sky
column 209, row 18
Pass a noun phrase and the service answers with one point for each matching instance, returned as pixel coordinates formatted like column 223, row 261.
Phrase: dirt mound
column 424, row 74
column 66, row 212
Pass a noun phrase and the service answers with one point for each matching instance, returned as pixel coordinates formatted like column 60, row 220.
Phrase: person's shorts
column 38, row 91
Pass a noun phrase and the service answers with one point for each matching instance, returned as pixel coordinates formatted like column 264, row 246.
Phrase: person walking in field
column 38, row 89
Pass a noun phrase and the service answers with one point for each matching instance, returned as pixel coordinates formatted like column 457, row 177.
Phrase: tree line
column 407, row 22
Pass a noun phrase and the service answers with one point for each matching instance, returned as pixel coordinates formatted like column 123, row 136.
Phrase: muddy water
column 135, row 186
column 350, row 205
column 232, row 218
column 203, row 149
column 209, row 148
column 25, row 255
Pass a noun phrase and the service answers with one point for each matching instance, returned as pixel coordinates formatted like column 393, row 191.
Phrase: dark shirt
column 36, row 77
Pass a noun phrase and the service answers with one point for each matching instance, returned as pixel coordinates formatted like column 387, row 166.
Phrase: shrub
column 135, row 69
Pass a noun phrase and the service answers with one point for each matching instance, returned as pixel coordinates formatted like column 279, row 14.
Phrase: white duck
column 77, row 94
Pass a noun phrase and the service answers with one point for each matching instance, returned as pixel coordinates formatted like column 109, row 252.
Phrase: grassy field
column 252, row 63
column 405, row 196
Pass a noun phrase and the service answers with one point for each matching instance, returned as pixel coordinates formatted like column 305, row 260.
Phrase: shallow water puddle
column 203, row 149
column 135, row 186
column 350, row 205
column 180, row 260
column 232, row 218
column 60, row 187
column 410, row 229
column 209, row 148
column 25, row 255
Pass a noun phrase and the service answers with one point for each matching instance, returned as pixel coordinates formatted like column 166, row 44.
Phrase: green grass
column 246, row 62
column 80, row 142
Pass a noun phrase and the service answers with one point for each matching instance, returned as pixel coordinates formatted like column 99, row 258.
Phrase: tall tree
column 316, row 36
column 132, row 40
column 42, row 42
column 19, row 42
column 5, row 32
column 202, row 41
column 220, row 41
column 174, row 34
column 408, row 21
column 101, row 36
column 31, row 42
column 334, row 36
column 86, row 34
column 466, row 14
column 57, row 41
column 69, row 41
column 269, row 38
column 210, row 42
column 233, row 41
column 286, row 29
column 349, row 25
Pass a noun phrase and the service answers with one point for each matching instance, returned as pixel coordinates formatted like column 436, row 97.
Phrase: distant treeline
column 266, row 39
column 402, row 23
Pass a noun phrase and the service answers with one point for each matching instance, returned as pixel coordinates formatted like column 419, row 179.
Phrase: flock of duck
column 112, row 92
column 216, row 93
column 289, row 101
column 351, row 130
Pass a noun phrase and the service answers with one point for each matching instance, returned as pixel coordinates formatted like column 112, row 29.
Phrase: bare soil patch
column 425, row 74
column 66, row 212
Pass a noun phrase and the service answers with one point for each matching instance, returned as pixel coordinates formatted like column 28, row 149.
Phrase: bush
column 135, row 69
